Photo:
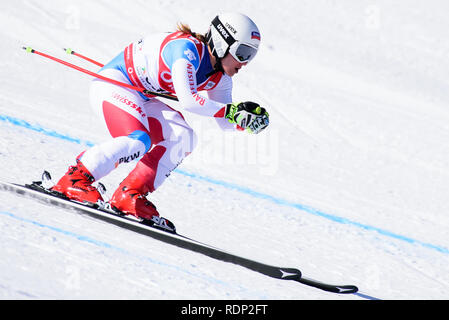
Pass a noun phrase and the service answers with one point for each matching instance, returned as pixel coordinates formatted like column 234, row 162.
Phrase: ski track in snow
column 122, row 251
column 349, row 184
column 242, row 189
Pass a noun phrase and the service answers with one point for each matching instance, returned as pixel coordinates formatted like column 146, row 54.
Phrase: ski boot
column 76, row 185
column 129, row 199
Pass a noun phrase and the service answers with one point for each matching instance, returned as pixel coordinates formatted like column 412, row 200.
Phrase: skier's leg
column 122, row 114
column 174, row 139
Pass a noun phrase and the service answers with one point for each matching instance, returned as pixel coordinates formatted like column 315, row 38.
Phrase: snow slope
column 349, row 184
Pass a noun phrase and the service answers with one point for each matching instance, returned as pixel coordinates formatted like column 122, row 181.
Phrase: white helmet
column 233, row 33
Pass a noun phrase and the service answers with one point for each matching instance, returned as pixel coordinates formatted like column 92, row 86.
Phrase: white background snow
column 349, row 183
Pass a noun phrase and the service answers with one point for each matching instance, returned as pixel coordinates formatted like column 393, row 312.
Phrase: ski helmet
column 233, row 33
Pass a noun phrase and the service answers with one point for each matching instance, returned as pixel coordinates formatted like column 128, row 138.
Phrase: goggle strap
column 225, row 34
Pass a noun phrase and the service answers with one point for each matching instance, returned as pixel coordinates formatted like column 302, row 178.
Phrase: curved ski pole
column 126, row 85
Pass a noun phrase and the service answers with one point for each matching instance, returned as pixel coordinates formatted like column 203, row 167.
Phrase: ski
column 328, row 287
column 158, row 231
column 156, row 222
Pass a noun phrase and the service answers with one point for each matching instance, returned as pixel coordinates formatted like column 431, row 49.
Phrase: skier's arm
column 247, row 115
column 184, row 83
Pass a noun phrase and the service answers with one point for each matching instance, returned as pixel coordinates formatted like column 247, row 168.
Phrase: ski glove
column 248, row 115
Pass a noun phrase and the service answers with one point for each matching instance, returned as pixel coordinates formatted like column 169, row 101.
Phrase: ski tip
column 343, row 289
column 347, row 289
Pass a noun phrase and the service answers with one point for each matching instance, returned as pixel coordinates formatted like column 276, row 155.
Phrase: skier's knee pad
column 143, row 137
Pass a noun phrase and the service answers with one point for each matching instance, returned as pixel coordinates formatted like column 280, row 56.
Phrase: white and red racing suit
column 142, row 125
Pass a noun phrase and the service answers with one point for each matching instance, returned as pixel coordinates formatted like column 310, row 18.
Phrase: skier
column 180, row 63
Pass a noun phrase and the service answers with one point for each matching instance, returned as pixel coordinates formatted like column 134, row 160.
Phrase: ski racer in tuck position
column 181, row 63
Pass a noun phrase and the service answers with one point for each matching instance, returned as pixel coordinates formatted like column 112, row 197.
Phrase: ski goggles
column 242, row 52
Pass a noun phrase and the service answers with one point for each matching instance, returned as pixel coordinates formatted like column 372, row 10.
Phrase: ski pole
column 126, row 85
column 70, row 51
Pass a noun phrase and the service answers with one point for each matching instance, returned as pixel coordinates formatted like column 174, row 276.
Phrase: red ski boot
column 129, row 198
column 76, row 184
